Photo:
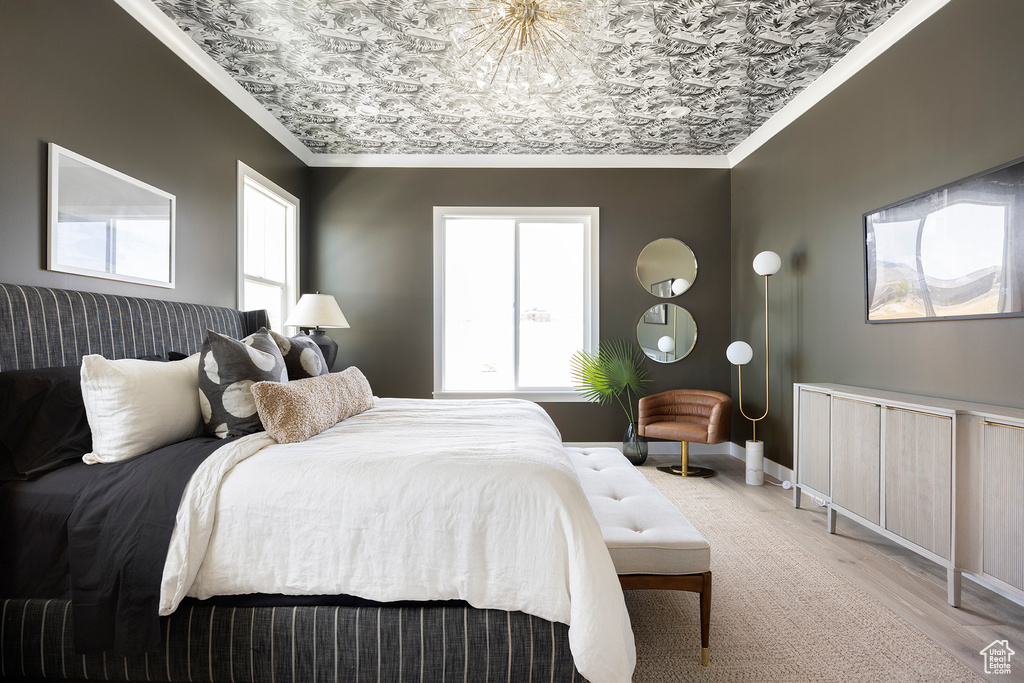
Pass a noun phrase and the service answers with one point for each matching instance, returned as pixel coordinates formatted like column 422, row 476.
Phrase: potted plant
column 616, row 372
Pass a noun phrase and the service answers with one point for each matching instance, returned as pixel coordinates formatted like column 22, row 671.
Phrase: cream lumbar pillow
column 294, row 411
column 136, row 406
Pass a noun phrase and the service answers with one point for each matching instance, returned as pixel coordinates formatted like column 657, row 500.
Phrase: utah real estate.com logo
column 997, row 657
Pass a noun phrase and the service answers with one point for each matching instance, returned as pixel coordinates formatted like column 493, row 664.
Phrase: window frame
column 590, row 217
column 248, row 175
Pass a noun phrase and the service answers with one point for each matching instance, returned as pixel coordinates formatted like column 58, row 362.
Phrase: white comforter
column 410, row 500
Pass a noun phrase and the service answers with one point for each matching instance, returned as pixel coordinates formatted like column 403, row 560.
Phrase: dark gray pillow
column 302, row 356
column 43, row 424
column 227, row 370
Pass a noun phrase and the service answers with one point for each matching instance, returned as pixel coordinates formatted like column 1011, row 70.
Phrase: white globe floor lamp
column 739, row 353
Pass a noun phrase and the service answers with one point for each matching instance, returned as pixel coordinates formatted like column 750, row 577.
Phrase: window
column 268, row 246
column 515, row 296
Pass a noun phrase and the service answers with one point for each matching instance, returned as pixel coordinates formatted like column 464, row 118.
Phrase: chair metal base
column 683, row 469
column 695, row 472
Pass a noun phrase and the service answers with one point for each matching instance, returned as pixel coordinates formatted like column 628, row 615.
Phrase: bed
column 385, row 625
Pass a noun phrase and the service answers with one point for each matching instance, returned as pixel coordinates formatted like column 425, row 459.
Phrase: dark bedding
column 98, row 535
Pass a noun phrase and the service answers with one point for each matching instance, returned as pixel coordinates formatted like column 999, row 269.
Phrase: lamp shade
column 767, row 263
column 680, row 285
column 666, row 344
column 317, row 310
column 739, row 353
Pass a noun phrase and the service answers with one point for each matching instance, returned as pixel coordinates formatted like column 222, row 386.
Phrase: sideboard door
column 813, row 445
column 1003, row 505
column 918, row 478
column 856, row 457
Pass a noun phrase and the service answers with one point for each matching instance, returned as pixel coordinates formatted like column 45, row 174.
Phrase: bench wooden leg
column 705, row 618
column 694, row 583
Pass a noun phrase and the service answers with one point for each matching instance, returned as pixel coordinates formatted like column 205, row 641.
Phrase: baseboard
column 774, row 469
column 668, row 447
column 1012, row 597
column 771, row 468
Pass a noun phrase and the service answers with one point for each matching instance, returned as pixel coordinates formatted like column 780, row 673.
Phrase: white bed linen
column 410, row 500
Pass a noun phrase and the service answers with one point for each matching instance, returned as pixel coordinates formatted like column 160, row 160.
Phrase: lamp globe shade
column 666, row 344
column 767, row 263
column 680, row 285
column 739, row 353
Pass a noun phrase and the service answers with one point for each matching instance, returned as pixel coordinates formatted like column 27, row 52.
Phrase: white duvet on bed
column 410, row 500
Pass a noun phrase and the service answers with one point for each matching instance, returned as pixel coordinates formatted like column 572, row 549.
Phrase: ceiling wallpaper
column 669, row 76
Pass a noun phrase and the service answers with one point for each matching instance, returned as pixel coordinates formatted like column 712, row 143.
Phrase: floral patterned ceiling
column 670, row 77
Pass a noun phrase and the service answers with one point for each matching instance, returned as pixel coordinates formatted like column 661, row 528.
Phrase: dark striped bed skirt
column 299, row 645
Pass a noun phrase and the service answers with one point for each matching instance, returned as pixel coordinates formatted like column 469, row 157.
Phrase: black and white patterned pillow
column 227, row 370
column 302, row 356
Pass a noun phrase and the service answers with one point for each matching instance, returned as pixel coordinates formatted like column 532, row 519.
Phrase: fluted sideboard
column 941, row 477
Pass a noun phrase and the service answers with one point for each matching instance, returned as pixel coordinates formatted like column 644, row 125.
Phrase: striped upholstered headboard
column 43, row 327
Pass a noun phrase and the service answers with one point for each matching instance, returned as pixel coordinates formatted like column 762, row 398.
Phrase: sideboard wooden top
column 917, row 402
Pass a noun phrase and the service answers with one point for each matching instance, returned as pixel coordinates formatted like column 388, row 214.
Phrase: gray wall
column 88, row 77
column 373, row 249
column 947, row 101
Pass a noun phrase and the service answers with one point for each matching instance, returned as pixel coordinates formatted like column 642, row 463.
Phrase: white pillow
column 137, row 406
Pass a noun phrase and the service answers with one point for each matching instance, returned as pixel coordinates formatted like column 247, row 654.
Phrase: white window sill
column 535, row 396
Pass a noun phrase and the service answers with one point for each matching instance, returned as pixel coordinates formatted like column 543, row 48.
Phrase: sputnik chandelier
column 524, row 47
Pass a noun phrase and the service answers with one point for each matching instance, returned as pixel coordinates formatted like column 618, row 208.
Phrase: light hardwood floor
column 911, row 586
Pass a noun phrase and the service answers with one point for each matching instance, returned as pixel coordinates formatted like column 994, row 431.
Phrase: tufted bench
column 650, row 542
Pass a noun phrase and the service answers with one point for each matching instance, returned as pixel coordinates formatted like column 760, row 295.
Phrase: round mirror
column 666, row 267
column 666, row 333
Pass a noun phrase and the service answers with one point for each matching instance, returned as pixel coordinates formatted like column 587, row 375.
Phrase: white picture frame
column 103, row 223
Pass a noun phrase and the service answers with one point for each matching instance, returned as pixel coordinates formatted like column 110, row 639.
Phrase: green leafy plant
column 901, row 289
column 616, row 372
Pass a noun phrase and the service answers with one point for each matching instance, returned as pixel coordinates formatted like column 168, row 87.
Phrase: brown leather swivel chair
column 686, row 415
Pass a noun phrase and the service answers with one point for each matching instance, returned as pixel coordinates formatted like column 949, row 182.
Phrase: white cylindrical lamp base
column 755, row 463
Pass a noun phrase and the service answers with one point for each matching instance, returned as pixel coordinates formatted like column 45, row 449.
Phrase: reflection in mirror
column 953, row 252
column 936, row 268
column 106, row 224
column 666, row 267
column 666, row 333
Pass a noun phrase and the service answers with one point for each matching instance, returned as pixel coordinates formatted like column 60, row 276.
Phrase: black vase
column 634, row 446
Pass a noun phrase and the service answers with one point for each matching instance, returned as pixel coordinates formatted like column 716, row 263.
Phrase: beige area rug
column 777, row 612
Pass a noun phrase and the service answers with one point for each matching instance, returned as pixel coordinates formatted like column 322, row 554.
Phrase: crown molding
column 522, row 160
column 905, row 20
column 164, row 28
column 900, row 24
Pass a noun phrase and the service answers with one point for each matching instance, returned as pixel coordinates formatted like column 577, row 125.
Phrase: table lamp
column 317, row 311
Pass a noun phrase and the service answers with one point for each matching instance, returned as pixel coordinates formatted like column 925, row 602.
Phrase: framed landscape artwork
column 956, row 252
